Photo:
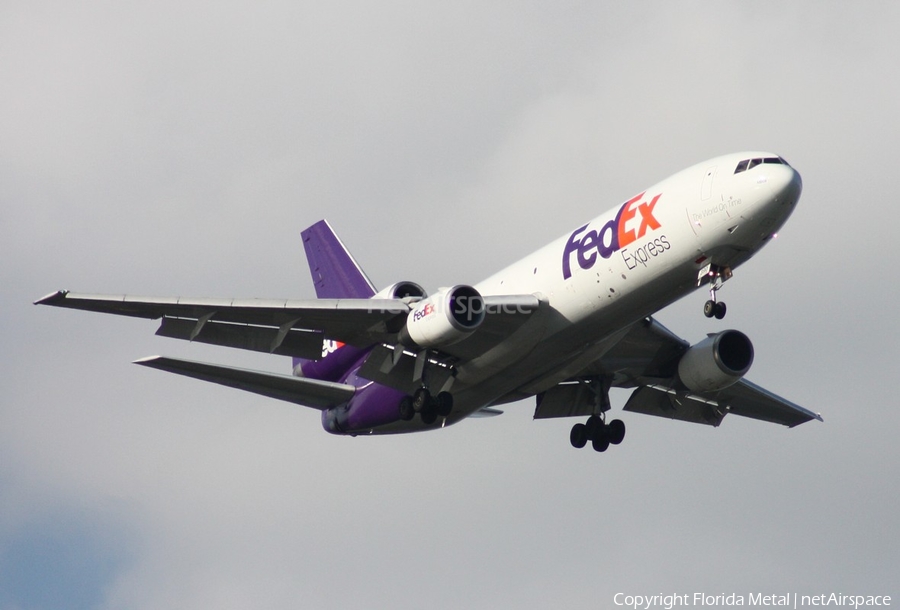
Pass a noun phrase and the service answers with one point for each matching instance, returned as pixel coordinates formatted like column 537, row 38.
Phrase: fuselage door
column 706, row 186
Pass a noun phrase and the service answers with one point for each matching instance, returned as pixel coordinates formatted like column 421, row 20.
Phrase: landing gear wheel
column 615, row 431
column 600, row 444
column 407, row 412
column 444, row 403
column 719, row 310
column 429, row 413
column 578, row 436
column 709, row 308
column 594, row 427
column 421, row 399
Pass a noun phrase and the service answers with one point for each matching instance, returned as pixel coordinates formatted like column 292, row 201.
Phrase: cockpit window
column 751, row 163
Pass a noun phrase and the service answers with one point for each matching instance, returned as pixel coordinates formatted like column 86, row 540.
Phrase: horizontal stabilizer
column 307, row 392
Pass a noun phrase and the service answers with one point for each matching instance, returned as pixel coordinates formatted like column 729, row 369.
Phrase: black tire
column 600, row 444
column 421, row 399
column 615, row 431
column 720, row 310
column 429, row 414
column 578, row 436
column 594, row 427
column 709, row 309
column 444, row 403
column 407, row 412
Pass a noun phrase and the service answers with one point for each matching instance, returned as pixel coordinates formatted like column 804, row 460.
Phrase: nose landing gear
column 713, row 308
column 715, row 276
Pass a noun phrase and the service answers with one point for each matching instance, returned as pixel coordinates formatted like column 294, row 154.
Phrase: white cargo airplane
column 564, row 324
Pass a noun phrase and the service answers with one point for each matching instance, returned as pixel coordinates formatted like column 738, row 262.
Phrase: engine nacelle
column 402, row 290
column 444, row 318
column 717, row 362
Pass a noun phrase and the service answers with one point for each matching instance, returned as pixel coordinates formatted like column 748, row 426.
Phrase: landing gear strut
column 422, row 402
column 601, row 434
column 716, row 276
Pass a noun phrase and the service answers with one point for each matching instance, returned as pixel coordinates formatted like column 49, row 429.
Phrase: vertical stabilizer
column 335, row 273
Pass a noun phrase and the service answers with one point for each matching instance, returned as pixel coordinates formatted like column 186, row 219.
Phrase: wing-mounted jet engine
column 717, row 362
column 446, row 317
column 443, row 319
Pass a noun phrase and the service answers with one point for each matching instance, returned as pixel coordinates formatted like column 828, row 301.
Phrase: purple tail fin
column 335, row 273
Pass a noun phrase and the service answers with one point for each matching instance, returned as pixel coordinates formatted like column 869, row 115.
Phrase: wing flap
column 294, row 342
column 298, row 390
column 747, row 399
column 380, row 367
column 744, row 398
column 656, row 401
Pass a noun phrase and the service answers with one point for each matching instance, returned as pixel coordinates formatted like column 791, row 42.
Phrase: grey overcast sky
column 179, row 148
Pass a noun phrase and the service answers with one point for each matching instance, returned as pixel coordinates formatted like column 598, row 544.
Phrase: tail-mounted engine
column 717, row 362
column 444, row 318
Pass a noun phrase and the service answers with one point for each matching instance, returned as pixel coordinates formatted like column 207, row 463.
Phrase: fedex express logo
column 423, row 312
column 329, row 346
column 634, row 220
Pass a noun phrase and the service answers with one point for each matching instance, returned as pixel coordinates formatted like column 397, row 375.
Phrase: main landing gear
column 595, row 429
column 428, row 406
column 601, row 434
column 716, row 276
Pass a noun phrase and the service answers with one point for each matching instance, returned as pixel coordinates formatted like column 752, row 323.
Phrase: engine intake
column 717, row 362
column 446, row 317
column 402, row 290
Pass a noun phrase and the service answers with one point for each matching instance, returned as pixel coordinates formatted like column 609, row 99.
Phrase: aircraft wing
column 286, row 327
column 646, row 358
column 307, row 392
column 297, row 327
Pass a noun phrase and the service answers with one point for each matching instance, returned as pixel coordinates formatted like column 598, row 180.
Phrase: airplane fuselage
column 603, row 276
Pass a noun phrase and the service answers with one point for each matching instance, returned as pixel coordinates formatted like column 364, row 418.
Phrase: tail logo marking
column 329, row 347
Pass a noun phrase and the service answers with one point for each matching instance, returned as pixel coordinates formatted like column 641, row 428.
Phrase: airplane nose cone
column 786, row 184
